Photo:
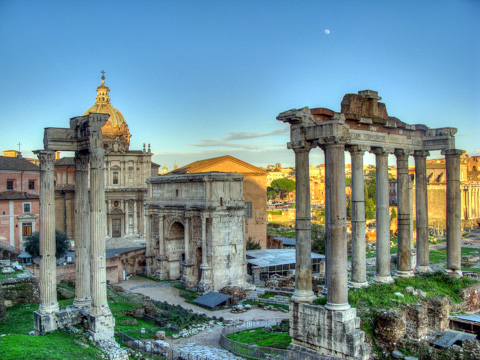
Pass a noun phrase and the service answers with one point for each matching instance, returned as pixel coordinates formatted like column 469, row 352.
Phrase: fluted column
column 127, row 217
column 135, row 217
column 149, row 234
column 421, row 201
column 454, row 209
column 98, row 217
column 337, row 297
column 48, row 264
column 303, row 269
column 82, row 232
column 404, row 267
column 359, row 261
column 383, row 271
column 205, row 283
column 187, row 278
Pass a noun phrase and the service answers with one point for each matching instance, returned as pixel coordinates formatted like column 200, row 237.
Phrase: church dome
column 116, row 127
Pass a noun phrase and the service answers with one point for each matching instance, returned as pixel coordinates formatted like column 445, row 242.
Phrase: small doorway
column 116, row 227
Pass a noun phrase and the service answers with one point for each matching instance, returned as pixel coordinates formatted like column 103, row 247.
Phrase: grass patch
column 262, row 337
column 12, row 275
column 440, row 256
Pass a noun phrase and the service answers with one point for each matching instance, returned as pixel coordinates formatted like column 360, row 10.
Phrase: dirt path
column 164, row 292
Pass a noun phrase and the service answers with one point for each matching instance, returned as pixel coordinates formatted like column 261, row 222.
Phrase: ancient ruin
column 363, row 124
column 195, row 230
column 84, row 137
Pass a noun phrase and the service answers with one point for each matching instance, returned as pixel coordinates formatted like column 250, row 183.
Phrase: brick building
column 19, row 199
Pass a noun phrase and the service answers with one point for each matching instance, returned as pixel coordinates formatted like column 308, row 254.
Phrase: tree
column 32, row 244
column 252, row 245
column 318, row 239
column 283, row 186
column 393, row 214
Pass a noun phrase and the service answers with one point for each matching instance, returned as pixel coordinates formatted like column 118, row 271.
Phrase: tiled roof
column 16, row 195
column 65, row 161
column 200, row 165
column 17, row 164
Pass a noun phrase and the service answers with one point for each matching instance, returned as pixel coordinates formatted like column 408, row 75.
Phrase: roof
column 207, row 165
column 287, row 241
column 471, row 318
column 17, row 164
column 211, row 299
column 450, row 337
column 110, row 253
column 25, row 255
column 65, row 161
column 274, row 257
column 16, row 195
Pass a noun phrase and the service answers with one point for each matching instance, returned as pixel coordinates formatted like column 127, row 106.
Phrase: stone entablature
column 196, row 229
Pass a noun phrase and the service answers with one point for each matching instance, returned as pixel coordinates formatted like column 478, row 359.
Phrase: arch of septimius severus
column 84, row 137
column 362, row 125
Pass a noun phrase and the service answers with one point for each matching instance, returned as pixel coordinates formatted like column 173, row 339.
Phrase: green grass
column 440, row 256
column 18, row 322
column 262, row 337
column 12, row 275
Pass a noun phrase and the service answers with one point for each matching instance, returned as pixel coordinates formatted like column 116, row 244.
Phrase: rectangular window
column 115, row 177
column 9, row 184
column 26, row 229
column 248, row 209
column 31, row 184
column 26, row 207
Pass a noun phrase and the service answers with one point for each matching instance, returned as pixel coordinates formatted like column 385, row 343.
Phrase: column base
column 423, row 269
column 205, row 284
column 455, row 273
column 101, row 327
column 44, row 323
column 49, row 309
column 404, row 274
column 82, row 303
column 358, row 285
column 337, row 307
column 303, row 296
column 161, row 274
column 324, row 291
column 317, row 330
column 384, row 279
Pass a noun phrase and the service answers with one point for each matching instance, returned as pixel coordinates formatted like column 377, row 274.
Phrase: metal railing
column 262, row 352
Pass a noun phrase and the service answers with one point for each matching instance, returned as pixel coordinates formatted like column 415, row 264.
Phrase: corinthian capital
column 46, row 158
column 97, row 158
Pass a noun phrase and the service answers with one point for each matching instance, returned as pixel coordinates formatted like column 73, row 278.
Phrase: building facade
column 126, row 172
column 19, row 200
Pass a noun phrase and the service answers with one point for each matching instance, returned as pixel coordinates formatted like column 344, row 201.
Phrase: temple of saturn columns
column 362, row 125
column 90, row 306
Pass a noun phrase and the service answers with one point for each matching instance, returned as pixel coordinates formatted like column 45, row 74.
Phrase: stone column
column 48, row 263
column 162, row 258
column 149, row 234
column 127, row 218
column 359, row 263
column 383, row 271
column 421, row 201
column 205, row 283
column 97, row 233
column 187, row 280
column 135, row 217
column 337, row 297
column 303, row 273
column 82, row 232
column 454, row 216
column 404, row 267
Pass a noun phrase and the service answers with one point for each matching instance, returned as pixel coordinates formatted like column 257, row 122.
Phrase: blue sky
column 198, row 79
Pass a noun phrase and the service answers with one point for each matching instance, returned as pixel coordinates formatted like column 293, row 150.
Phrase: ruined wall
column 254, row 191
column 65, row 212
column 414, row 322
column 19, row 291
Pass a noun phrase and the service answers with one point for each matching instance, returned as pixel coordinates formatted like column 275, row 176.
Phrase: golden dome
column 116, row 126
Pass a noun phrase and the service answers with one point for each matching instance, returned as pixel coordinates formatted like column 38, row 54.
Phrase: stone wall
column 19, row 291
column 470, row 299
column 414, row 322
